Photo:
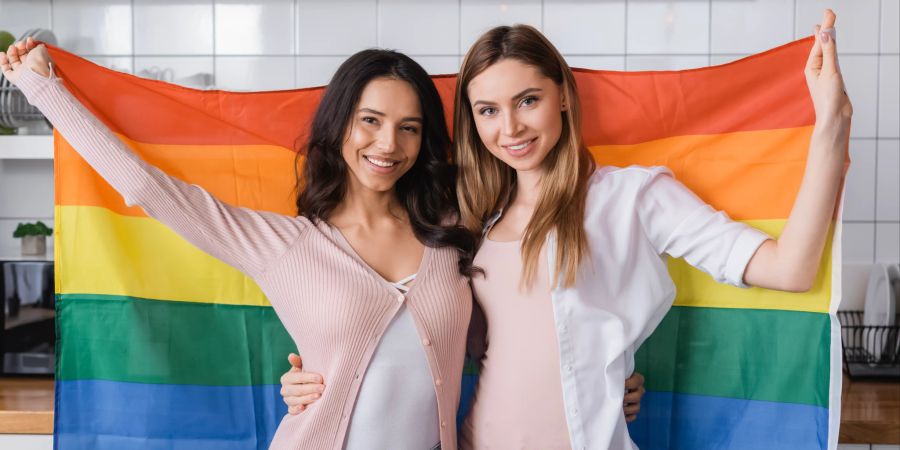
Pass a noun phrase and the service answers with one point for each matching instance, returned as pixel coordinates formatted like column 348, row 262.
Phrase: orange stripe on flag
column 254, row 176
column 751, row 175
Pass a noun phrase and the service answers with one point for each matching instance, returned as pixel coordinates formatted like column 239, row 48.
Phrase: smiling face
column 517, row 112
column 383, row 138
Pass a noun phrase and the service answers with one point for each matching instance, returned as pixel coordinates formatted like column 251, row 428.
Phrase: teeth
column 380, row 162
column 520, row 146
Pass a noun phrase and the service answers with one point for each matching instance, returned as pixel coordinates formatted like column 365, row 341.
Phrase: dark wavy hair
column 427, row 190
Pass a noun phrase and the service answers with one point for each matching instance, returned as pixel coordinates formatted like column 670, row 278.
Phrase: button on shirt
column 634, row 218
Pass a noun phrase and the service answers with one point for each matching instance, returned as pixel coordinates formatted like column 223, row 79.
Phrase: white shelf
column 26, row 147
column 20, row 257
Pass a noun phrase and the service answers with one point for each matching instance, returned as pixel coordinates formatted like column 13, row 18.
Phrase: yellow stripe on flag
column 150, row 261
column 696, row 288
column 104, row 253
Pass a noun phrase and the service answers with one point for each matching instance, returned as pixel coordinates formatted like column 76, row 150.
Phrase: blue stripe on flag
column 682, row 421
column 97, row 414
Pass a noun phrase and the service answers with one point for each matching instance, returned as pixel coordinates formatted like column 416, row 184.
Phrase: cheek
column 549, row 122
column 411, row 147
column 487, row 132
column 356, row 139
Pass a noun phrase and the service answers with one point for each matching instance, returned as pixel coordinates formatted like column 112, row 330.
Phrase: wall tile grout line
column 296, row 22
column 215, row 66
column 709, row 20
column 627, row 7
column 133, row 46
column 877, row 146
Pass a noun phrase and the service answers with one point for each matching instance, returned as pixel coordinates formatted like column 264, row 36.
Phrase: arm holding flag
column 790, row 263
column 246, row 239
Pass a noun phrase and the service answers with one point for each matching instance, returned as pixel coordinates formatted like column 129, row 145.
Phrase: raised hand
column 24, row 55
column 298, row 388
column 824, row 80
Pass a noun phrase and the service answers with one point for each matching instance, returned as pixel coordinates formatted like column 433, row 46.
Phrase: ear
column 563, row 105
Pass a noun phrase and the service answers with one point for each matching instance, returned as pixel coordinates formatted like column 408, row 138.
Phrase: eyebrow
column 379, row 113
column 514, row 97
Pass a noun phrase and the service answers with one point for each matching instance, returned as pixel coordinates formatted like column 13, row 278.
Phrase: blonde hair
column 486, row 184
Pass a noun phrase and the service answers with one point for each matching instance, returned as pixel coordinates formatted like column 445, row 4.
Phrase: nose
column 386, row 140
column 511, row 124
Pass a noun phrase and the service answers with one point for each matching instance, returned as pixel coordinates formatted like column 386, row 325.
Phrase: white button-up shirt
column 634, row 218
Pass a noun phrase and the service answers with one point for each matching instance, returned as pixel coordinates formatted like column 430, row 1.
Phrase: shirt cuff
column 744, row 248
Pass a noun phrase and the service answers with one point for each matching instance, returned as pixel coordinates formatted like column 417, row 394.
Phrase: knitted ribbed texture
column 333, row 305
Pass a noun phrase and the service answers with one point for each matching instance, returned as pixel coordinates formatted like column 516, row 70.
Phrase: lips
column 520, row 148
column 381, row 164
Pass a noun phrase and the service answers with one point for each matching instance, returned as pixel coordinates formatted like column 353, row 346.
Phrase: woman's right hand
column 298, row 388
column 25, row 55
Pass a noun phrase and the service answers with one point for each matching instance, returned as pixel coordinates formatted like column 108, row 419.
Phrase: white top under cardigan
column 397, row 404
column 634, row 218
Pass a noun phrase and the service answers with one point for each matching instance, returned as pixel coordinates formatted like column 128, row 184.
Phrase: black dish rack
column 869, row 350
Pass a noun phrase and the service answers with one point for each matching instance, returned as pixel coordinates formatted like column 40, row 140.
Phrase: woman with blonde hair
column 575, row 256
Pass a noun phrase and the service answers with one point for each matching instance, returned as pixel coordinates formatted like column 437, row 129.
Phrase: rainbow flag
column 729, row 368
column 162, row 346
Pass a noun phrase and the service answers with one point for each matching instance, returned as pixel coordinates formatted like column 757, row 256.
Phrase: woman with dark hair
column 370, row 278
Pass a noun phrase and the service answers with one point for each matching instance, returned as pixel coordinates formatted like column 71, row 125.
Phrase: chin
column 379, row 185
column 524, row 165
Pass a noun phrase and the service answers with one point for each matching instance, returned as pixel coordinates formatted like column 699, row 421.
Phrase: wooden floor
column 870, row 410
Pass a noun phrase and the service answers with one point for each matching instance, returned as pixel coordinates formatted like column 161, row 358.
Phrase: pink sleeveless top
column 518, row 402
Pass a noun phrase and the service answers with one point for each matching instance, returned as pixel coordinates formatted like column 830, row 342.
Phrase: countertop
column 26, row 405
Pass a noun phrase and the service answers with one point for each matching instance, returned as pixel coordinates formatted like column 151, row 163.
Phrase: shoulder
column 619, row 178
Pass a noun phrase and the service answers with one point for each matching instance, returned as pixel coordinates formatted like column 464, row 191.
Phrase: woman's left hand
column 824, row 80
column 634, row 390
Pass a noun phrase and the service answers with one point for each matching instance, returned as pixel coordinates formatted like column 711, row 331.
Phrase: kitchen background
column 282, row 44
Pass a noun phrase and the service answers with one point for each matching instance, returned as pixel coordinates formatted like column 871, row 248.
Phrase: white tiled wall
column 279, row 44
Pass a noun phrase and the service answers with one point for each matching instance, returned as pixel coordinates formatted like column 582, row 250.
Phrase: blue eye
column 488, row 111
column 528, row 101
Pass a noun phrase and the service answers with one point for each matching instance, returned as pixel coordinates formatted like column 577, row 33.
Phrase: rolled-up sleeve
column 680, row 224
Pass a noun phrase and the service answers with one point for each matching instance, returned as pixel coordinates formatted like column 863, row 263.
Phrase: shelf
column 26, row 147
column 28, row 315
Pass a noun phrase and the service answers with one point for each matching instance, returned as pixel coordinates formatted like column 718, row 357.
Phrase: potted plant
column 34, row 237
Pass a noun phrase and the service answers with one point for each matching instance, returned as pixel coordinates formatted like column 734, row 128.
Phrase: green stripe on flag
column 148, row 341
column 770, row 355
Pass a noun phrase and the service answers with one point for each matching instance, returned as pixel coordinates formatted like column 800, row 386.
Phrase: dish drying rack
column 869, row 350
column 15, row 111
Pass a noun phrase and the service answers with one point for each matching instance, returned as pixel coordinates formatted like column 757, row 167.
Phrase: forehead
column 391, row 96
column 505, row 78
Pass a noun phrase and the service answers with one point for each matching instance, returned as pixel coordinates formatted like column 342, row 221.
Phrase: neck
column 528, row 187
column 365, row 207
